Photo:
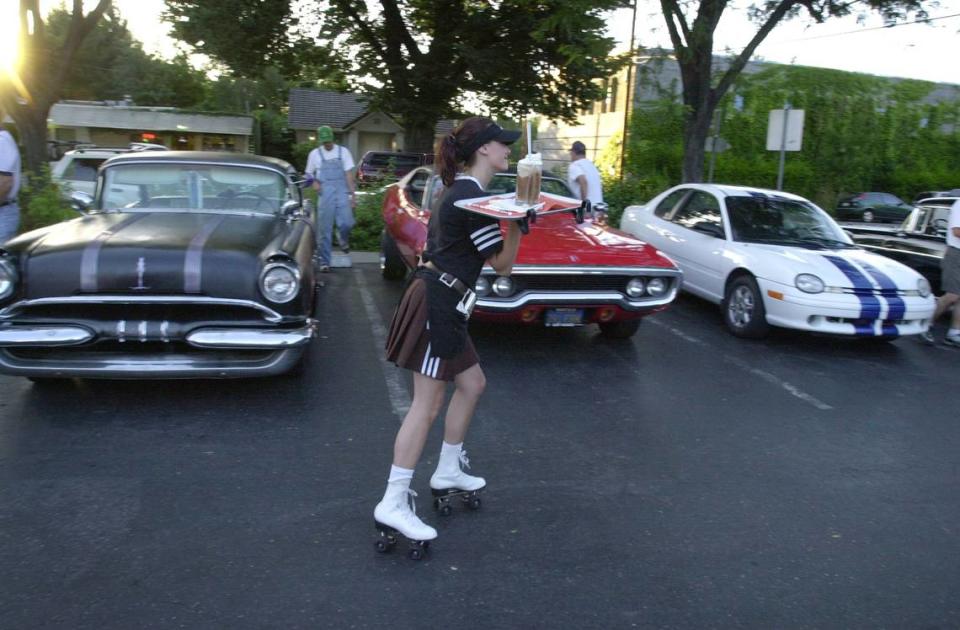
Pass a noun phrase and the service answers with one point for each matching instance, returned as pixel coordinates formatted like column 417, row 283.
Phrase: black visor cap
column 491, row 133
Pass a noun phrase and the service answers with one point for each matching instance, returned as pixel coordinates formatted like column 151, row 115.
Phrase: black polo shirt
column 460, row 241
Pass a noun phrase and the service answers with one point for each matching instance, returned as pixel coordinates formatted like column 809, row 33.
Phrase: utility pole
column 629, row 92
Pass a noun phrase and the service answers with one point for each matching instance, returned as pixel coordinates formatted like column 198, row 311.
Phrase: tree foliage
column 861, row 133
column 111, row 65
column 692, row 41
column 423, row 59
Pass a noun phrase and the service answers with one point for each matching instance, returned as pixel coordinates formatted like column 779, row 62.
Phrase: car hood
column 148, row 253
column 844, row 268
column 558, row 240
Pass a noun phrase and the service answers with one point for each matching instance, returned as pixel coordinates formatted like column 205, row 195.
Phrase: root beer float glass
column 529, row 172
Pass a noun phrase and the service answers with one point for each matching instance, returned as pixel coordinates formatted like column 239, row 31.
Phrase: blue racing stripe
column 869, row 304
column 888, row 290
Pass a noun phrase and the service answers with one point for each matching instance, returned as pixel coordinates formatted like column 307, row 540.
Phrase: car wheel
column 620, row 330
column 868, row 215
column 743, row 310
column 391, row 262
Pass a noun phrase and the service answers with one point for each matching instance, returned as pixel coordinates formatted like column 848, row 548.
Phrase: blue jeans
column 340, row 212
column 9, row 221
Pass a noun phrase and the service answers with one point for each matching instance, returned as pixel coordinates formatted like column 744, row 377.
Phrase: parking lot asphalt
column 679, row 479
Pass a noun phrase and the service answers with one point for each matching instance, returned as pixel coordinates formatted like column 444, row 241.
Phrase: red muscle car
column 566, row 274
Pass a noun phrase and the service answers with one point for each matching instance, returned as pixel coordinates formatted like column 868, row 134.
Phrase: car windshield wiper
column 795, row 242
column 830, row 242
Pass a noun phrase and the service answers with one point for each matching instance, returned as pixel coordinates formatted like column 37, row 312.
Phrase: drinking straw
column 529, row 139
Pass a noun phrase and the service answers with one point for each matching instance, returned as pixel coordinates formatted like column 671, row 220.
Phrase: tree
column 693, row 47
column 43, row 72
column 424, row 59
column 111, row 65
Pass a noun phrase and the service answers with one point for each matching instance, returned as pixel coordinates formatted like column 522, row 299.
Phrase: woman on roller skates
column 428, row 334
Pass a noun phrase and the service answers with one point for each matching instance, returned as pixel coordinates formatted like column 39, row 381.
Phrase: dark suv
column 872, row 206
column 384, row 166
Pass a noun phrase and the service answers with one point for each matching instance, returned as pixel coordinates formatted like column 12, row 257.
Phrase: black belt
column 6, row 203
column 448, row 279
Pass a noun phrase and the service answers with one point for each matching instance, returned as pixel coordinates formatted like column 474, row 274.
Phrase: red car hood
column 558, row 240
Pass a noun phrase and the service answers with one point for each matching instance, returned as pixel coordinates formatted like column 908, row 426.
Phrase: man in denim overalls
column 331, row 167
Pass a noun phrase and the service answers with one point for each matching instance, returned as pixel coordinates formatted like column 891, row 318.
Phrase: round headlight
column 280, row 282
column 503, row 286
column 809, row 283
column 635, row 287
column 657, row 286
column 8, row 278
column 923, row 287
column 482, row 287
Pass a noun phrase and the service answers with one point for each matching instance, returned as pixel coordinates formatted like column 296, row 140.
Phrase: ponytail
column 447, row 159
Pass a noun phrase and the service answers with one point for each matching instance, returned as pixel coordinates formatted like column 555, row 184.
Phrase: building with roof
column 354, row 125
column 118, row 123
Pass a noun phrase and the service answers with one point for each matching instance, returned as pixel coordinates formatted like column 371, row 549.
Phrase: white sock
column 400, row 474
column 451, row 449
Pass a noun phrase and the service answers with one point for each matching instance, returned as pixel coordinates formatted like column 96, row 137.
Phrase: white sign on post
column 794, row 130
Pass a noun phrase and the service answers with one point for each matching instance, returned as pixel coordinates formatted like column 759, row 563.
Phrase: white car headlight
column 280, row 282
column 503, row 286
column 658, row 286
column 923, row 287
column 482, row 287
column 635, row 287
column 8, row 278
column 809, row 283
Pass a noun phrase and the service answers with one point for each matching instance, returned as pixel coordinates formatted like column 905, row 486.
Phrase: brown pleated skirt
column 408, row 340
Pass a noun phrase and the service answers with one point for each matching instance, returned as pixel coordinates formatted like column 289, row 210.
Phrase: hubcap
column 740, row 307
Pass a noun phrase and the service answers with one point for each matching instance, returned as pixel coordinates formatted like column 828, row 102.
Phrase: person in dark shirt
column 428, row 334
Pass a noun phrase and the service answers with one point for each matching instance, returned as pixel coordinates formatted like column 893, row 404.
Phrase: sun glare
column 9, row 39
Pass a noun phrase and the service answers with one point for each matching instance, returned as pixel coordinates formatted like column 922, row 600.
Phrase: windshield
column 503, row 183
column 783, row 222
column 184, row 186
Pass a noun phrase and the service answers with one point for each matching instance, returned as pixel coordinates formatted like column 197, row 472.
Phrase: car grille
column 556, row 283
column 153, row 312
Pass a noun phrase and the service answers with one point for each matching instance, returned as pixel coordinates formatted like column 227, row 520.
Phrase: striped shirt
column 459, row 241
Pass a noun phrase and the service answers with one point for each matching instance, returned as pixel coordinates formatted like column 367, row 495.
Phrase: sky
column 914, row 51
column 918, row 51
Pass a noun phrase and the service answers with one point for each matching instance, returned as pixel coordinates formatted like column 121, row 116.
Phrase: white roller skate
column 449, row 481
column 396, row 513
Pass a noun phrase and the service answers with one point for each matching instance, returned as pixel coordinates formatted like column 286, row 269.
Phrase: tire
column 392, row 266
column 868, row 215
column 620, row 330
column 743, row 310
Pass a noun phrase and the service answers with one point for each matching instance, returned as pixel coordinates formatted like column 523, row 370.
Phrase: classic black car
column 920, row 241
column 206, row 274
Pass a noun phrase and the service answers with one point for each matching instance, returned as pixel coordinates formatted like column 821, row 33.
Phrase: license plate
column 563, row 317
column 845, row 204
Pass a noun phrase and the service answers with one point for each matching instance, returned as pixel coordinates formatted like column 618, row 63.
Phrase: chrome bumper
column 599, row 298
column 250, row 339
column 233, row 353
column 231, row 338
column 44, row 336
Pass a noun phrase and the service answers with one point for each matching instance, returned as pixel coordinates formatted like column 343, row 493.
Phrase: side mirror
column 81, row 201
column 290, row 207
column 710, row 229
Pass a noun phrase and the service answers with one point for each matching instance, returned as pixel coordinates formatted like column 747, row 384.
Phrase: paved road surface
column 682, row 479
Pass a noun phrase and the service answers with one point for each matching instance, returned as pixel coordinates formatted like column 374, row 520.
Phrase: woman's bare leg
column 470, row 385
column 427, row 399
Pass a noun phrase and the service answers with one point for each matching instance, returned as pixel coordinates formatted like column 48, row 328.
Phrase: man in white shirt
column 9, row 183
column 331, row 167
column 950, row 281
column 584, row 178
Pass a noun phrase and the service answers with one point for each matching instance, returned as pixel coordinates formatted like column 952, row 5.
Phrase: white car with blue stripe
column 771, row 258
